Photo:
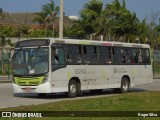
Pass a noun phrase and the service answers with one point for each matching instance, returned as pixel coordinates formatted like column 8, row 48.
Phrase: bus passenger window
column 109, row 60
column 135, row 53
column 123, row 59
column 79, row 59
column 69, row 60
column 131, row 60
column 139, row 56
column 79, row 54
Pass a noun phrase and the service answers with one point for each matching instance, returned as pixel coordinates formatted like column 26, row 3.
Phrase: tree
column 41, row 19
column 152, row 22
column 47, row 15
column 121, row 20
column 88, row 17
column 51, row 11
column 115, row 21
column 80, row 29
column 142, row 31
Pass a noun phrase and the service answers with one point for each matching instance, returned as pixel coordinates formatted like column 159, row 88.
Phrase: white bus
column 53, row 65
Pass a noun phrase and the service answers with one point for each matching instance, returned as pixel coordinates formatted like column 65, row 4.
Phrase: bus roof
column 101, row 43
column 91, row 42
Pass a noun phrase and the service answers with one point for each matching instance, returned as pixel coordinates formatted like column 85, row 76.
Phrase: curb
column 5, row 81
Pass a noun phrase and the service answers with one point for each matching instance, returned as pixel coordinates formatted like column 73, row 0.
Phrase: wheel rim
column 125, row 86
column 73, row 88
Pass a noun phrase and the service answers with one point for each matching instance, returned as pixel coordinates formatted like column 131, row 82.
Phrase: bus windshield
column 31, row 61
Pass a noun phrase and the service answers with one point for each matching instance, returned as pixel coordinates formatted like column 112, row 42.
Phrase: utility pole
column 61, row 20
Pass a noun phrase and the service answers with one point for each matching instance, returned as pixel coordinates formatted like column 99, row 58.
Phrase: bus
column 54, row 65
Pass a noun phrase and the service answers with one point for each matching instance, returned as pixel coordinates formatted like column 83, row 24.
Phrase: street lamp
column 61, row 20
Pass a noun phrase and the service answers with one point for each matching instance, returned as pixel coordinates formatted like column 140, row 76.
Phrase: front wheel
column 72, row 89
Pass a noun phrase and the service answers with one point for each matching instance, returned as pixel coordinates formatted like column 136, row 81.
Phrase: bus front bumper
column 43, row 88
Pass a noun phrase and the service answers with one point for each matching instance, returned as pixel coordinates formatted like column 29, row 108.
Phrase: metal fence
column 5, row 65
column 156, row 63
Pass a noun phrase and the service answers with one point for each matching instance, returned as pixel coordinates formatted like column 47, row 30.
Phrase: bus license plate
column 27, row 90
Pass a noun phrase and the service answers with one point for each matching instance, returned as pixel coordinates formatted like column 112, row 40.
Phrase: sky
column 142, row 8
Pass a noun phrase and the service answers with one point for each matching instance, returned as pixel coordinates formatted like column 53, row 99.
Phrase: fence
column 156, row 63
column 5, row 65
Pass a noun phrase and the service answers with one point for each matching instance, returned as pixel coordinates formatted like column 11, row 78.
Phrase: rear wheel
column 124, row 86
column 72, row 89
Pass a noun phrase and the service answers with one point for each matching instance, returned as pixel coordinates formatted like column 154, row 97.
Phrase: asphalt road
column 7, row 99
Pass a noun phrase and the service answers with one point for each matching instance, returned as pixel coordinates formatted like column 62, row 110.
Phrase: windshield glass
column 31, row 61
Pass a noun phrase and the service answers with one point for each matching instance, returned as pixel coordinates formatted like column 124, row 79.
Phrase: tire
column 72, row 89
column 124, row 86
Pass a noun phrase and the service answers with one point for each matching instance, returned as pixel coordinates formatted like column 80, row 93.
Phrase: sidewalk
column 5, row 79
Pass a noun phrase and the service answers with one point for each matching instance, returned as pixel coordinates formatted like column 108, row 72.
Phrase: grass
column 139, row 101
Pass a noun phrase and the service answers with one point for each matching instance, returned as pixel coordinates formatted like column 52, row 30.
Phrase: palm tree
column 122, row 21
column 51, row 11
column 142, row 31
column 89, row 15
column 47, row 15
column 40, row 18
column 81, row 29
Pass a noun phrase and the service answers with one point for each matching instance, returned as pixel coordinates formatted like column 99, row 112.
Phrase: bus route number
column 80, row 71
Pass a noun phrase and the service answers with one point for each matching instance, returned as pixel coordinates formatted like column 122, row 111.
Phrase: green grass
column 139, row 101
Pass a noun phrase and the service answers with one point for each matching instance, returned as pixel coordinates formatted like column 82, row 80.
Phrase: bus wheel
column 124, row 85
column 72, row 89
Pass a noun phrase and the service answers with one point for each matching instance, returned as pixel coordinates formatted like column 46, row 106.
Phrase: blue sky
column 142, row 8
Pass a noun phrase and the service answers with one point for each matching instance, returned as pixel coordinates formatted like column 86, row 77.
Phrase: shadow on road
column 107, row 92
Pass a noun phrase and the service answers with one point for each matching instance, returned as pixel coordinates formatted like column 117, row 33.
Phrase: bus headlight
column 45, row 78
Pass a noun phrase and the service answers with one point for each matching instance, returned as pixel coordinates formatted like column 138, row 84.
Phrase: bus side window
column 79, row 54
column 74, row 54
column 135, row 54
column 145, row 56
column 58, row 58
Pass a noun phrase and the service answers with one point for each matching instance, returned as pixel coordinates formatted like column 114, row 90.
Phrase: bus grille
column 28, row 83
column 34, row 81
